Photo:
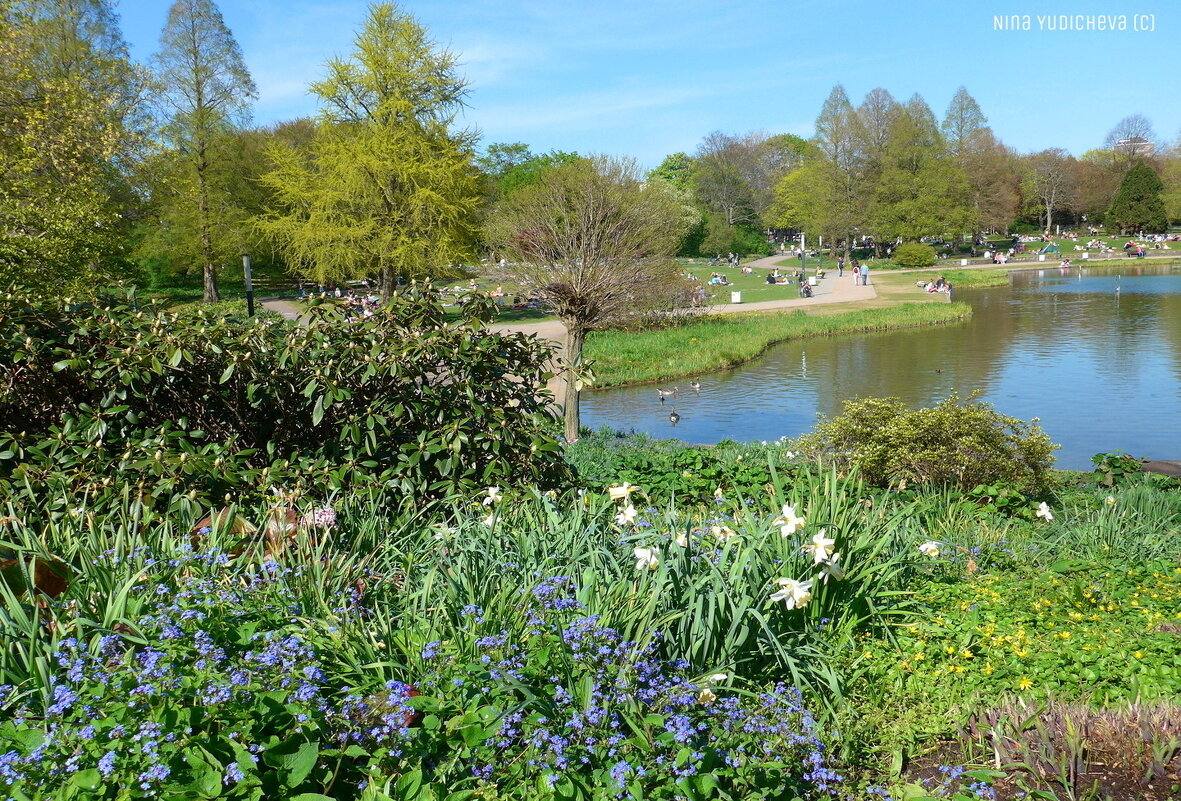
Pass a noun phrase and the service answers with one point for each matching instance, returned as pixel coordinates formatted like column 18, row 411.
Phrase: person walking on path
column 865, row 275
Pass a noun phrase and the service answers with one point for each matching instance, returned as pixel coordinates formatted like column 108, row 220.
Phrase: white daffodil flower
column 832, row 569
column 489, row 520
column 719, row 494
column 820, row 547
column 1043, row 511
column 706, row 696
column 647, row 558
column 493, row 496
column 1110, row 500
column 788, row 522
column 723, row 533
column 620, row 492
column 716, row 677
column 929, row 548
column 682, row 540
column 794, row 594
column 626, row 516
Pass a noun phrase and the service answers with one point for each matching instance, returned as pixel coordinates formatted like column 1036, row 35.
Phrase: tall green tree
column 595, row 241
column 874, row 116
column 808, row 199
column 841, row 139
column 922, row 191
column 500, row 157
column 963, row 122
column 989, row 167
column 676, row 169
column 206, row 91
column 71, row 125
column 1138, row 205
column 387, row 188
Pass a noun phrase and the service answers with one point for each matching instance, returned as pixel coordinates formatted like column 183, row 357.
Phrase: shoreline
column 888, row 289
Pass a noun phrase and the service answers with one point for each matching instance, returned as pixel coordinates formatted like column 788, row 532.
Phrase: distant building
column 1135, row 146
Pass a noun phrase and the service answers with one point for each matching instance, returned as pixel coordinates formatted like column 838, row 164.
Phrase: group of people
column 860, row 271
column 938, row 285
column 798, row 278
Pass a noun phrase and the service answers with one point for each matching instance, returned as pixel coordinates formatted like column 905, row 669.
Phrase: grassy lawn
column 754, row 287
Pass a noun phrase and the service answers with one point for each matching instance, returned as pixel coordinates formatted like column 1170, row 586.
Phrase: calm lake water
column 1095, row 354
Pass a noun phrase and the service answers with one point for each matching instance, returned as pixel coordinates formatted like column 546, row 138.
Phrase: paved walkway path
column 289, row 310
column 830, row 289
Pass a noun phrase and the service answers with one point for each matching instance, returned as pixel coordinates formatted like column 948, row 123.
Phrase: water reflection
column 1095, row 355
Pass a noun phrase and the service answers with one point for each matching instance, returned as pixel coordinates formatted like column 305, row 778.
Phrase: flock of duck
column 665, row 394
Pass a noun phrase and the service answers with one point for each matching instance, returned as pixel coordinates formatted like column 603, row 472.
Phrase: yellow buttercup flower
column 1024, row 684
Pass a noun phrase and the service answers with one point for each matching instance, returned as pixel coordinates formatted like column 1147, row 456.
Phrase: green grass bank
column 713, row 343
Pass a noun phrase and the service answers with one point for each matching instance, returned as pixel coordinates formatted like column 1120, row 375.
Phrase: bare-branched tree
column 595, row 242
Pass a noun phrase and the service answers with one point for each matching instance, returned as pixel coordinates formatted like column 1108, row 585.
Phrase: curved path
column 831, row 290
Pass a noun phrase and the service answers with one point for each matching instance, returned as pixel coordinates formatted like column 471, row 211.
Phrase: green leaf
column 87, row 779
column 409, row 785
column 297, row 759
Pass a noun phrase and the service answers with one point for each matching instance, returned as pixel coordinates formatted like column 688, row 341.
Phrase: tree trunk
column 388, row 282
column 208, row 268
column 574, row 339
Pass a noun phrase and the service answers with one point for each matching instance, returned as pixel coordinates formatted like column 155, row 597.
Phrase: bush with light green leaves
column 914, row 254
column 960, row 443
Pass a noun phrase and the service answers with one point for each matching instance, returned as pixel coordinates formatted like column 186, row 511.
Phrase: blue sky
column 645, row 78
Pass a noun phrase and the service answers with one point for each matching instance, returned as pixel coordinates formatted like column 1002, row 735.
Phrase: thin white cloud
column 585, row 111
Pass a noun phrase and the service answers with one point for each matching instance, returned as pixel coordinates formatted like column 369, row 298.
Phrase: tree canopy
column 387, row 187
column 71, row 124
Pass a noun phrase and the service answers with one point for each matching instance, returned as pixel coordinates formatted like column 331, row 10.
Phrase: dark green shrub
column 914, row 254
column 958, row 443
column 403, row 399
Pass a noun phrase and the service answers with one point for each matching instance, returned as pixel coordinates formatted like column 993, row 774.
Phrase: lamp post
column 249, row 285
